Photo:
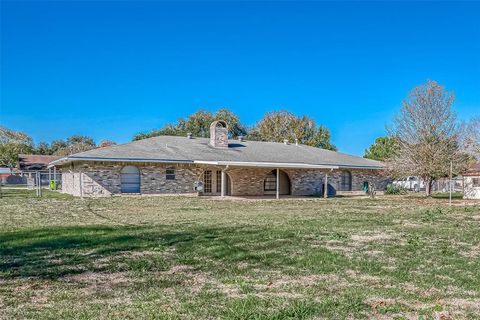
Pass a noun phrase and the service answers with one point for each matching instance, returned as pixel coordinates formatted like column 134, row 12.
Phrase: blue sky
column 112, row 69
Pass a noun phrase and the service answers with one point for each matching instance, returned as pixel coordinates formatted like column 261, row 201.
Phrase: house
column 34, row 162
column 471, row 182
column 30, row 164
column 216, row 166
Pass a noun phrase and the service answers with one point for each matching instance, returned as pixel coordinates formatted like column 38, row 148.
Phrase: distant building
column 4, row 174
column 34, row 162
column 472, row 182
column 28, row 166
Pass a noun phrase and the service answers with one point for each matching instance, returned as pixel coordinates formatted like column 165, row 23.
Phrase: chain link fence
column 30, row 183
column 443, row 185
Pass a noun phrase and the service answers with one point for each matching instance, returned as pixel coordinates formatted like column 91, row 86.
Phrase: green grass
column 191, row 258
column 23, row 192
column 446, row 195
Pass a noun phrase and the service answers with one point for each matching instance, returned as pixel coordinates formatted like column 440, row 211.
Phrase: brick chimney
column 219, row 134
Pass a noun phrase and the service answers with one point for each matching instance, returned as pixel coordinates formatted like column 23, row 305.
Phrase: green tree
column 57, row 145
column 280, row 125
column 13, row 143
column 198, row 124
column 77, row 139
column 43, row 148
column 383, row 149
column 321, row 139
column 235, row 127
column 74, row 144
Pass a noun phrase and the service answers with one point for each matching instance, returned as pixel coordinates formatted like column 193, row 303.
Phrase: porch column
column 49, row 175
column 325, row 185
column 81, row 184
column 278, row 184
column 55, row 174
column 223, row 180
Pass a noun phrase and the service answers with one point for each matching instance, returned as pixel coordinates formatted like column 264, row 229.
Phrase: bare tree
column 428, row 135
column 106, row 143
column 471, row 140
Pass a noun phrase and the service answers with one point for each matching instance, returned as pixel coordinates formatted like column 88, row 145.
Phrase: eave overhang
column 280, row 165
column 250, row 164
column 68, row 159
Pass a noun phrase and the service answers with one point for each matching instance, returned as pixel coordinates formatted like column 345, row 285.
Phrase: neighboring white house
column 472, row 182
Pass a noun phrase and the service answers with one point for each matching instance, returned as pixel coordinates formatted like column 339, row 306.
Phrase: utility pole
column 450, row 195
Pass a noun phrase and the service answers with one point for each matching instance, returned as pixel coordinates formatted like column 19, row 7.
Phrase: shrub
column 392, row 189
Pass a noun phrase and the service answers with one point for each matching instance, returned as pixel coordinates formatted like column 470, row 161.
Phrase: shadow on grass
column 52, row 253
column 22, row 192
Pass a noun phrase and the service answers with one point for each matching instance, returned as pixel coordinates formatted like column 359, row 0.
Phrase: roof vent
column 189, row 135
column 285, row 141
column 296, row 141
column 241, row 138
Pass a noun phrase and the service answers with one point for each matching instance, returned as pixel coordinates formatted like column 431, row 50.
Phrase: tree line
column 275, row 126
column 13, row 143
column 424, row 139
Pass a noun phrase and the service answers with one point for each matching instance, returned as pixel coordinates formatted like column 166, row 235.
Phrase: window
column 219, row 181
column 207, row 181
column 270, row 182
column 475, row 182
column 346, row 181
column 170, row 173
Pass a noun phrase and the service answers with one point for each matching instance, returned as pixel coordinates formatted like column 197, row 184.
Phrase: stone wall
column 247, row 181
column 153, row 179
column 68, row 183
column 374, row 176
column 100, row 179
column 306, row 182
column 97, row 179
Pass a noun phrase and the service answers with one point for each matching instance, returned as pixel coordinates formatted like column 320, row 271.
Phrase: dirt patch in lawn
column 94, row 282
column 366, row 238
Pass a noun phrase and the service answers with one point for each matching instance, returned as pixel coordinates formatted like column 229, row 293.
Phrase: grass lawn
column 446, row 195
column 192, row 257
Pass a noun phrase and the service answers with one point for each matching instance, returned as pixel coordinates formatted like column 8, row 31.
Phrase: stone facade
column 97, row 179
column 153, row 179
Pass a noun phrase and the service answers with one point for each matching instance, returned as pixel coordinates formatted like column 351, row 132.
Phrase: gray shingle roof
column 182, row 149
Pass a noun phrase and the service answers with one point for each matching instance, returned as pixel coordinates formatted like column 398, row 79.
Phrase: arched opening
column 220, row 124
column 346, row 181
column 130, row 179
column 270, row 183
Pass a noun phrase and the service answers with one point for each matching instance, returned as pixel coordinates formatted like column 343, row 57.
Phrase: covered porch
column 261, row 179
